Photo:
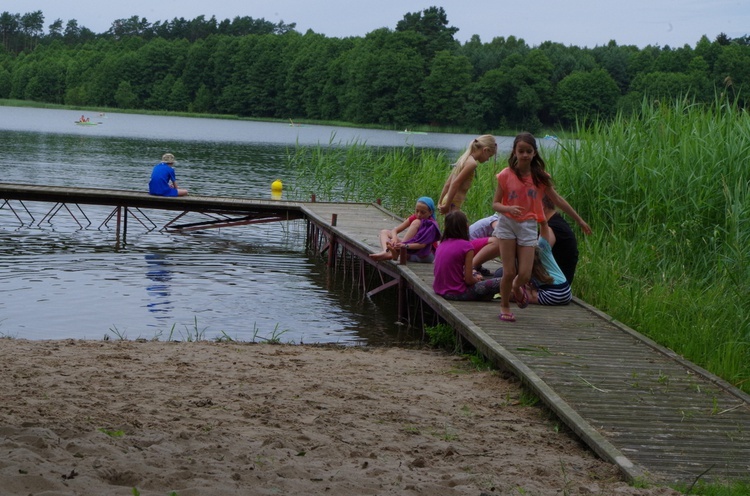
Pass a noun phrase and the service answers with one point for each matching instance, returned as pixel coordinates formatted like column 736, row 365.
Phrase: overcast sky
column 575, row 22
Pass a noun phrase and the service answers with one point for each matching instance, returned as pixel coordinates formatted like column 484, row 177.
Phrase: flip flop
column 524, row 301
column 507, row 317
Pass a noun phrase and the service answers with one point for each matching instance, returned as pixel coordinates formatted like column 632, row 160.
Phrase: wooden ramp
column 639, row 405
column 635, row 403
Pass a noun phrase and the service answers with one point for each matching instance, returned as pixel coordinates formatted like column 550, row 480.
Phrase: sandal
column 507, row 317
column 523, row 302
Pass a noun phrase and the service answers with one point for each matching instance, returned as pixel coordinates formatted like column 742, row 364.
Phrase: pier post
column 333, row 247
column 117, row 229
column 125, row 226
column 402, row 256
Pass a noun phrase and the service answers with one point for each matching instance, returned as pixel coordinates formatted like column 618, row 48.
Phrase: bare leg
column 525, row 263
column 508, row 256
column 411, row 231
column 385, row 241
column 488, row 252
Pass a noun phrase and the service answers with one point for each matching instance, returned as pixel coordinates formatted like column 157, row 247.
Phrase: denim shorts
column 525, row 232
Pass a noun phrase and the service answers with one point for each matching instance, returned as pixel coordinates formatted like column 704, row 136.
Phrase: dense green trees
column 415, row 74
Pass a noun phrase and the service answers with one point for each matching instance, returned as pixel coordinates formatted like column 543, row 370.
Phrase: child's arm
column 547, row 233
column 469, row 278
column 444, row 192
column 412, row 246
column 563, row 205
column 499, row 207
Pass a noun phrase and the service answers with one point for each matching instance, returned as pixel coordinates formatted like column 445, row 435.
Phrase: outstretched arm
column 563, row 205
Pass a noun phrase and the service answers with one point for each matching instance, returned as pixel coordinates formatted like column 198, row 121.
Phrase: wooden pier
column 658, row 417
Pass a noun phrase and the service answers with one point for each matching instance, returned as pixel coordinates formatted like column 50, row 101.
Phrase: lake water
column 247, row 283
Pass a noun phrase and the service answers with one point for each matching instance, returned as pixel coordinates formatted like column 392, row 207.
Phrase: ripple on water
column 248, row 284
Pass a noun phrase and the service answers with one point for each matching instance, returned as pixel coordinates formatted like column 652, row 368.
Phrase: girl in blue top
column 548, row 285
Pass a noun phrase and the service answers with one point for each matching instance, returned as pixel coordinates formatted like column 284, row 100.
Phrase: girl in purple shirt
column 454, row 277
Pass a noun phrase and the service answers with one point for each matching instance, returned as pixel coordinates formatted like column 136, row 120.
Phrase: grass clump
column 112, row 432
column 442, row 336
column 736, row 488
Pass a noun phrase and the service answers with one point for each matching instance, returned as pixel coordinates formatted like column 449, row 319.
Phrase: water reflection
column 158, row 271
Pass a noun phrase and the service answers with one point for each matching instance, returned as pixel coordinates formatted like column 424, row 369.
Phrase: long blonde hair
column 484, row 141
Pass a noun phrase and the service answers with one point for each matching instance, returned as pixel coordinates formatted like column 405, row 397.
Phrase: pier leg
column 332, row 249
column 401, row 298
column 125, row 226
column 117, row 229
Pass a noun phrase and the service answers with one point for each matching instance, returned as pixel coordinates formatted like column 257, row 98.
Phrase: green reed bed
column 668, row 196
column 396, row 176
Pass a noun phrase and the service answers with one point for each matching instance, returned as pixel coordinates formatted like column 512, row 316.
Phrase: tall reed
column 397, row 176
column 666, row 191
column 668, row 194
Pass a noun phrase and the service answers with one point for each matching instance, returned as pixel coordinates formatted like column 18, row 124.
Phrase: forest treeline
column 416, row 74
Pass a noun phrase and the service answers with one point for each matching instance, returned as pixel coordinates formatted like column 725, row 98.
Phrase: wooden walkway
column 656, row 416
column 637, row 404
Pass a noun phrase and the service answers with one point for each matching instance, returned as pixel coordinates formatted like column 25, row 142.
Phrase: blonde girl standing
column 518, row 198
column 459, row 181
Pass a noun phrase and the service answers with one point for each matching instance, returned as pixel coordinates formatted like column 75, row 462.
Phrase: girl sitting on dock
column 421, row 232
column 454, row 277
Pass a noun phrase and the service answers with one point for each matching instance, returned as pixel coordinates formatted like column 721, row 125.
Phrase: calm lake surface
column 247, row 283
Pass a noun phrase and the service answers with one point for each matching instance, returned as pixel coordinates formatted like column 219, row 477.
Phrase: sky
column 582, row 23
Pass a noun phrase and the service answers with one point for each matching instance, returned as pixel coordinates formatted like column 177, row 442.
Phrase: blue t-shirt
column 548, row 260
column 160, row 179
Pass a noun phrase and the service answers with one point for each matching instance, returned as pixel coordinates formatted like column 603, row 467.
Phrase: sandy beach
column 204, row 418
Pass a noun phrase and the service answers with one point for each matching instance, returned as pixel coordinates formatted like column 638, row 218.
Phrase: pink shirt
column 523, row 193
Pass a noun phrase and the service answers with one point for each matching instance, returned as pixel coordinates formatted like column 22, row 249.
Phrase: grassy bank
column 667, row 194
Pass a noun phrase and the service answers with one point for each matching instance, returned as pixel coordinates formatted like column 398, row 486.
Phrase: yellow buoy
column 276, row 188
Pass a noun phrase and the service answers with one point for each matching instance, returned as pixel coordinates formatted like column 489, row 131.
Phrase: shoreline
column 108, row 417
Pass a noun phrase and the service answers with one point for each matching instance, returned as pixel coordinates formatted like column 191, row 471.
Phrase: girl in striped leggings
column 548, row 285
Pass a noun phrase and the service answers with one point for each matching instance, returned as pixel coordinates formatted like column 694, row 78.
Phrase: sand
column 204, row 418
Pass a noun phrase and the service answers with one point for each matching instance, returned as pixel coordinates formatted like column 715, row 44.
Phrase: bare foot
column 383, row 255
